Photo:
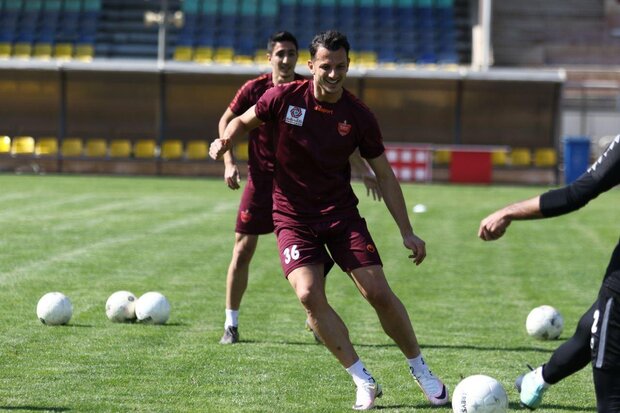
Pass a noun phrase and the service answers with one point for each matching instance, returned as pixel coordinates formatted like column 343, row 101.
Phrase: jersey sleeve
column 242, row 100
column 265, row 106
column 603, row 175
column 371, row 144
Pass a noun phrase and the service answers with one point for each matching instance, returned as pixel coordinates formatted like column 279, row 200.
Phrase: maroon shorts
column 255, row 216
column 345, row 241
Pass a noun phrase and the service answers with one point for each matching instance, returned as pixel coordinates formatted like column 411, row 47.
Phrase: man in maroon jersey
column 317, row 125
column 254, row 215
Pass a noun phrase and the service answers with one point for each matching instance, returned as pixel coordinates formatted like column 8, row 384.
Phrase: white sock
column 359, row 373
column 232, row 318
column 417, row 365
column 538, row 376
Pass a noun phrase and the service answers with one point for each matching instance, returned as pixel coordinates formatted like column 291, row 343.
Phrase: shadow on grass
column 36, row 408
column 554, row 407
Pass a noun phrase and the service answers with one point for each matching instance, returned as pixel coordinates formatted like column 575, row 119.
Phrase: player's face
column 329, row 70
column 283, row 59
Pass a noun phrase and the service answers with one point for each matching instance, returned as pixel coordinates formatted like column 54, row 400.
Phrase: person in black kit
column 597, row 337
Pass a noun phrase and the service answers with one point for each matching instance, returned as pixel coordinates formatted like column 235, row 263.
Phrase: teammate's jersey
column 603, row 175
column 313, row 141
column 260, row 148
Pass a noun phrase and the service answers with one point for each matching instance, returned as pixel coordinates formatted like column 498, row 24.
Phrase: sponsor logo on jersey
column 245, row 216
column 295, row 115
column 321, row 109
column 344, row 128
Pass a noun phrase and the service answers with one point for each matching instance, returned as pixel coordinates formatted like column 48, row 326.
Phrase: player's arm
column 235, row 129
column 231, row 171
column 395, row 202
column 363, row 171
column 494, row 226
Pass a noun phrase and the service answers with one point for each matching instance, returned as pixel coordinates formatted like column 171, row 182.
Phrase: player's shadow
column 461, row 347
column 35, row 408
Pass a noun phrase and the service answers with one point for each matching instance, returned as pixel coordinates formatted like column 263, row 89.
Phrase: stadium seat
column 144, row 148
column 520, row 157
column 545, row 157
column 203, row 54
column 223, row 55
column 84, row 52
column 6, row 49
column 183, row 53
column 499, row 157
column 120, row 148
column 46, row 146
column 197, row 150
column 42, row 51
column 71, row 147
column 22, row 145
column 172, row 149
column 96, row 148
column 5, row 144
column 442, row 156
column 241, row 151
column 63, row 51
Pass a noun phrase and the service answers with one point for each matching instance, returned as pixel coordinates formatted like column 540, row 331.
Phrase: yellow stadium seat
column 197, row 150
column 203, row 55
column 22, row 50
column 172, row 149
column 84, row 52
column 367, row 59
column 499, row 157
column 42, row 51
column 260, row 56
column 520, row 157
column 545, row 157
column 241, row 151
column 183, row 53
column 144, row 148
column 5, row 144
column 5, row 50
column 243, row 59
column 71, row 147
column 46, row 146
column 22, row 145
column 120, row 148
column 223, row 55
column 442, row 157
column 96, row 148
column 63, row 51
column 304, row 56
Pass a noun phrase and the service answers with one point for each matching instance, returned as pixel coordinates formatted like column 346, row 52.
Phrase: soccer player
column 254, row 215
column 317, row 125
column 597, row 337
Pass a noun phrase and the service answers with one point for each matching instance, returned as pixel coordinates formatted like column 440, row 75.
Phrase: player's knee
column 380, row 298
column 310, row 298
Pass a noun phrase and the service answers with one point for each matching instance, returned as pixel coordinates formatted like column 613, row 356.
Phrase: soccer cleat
column 531, row 387
column 366, row 395
column 435, row 391
column 316, row 336
column 231, row 336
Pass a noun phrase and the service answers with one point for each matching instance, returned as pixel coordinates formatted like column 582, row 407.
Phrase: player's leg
column 607, row 386
column 396, row 323
column 309, row 285
column 237, row 282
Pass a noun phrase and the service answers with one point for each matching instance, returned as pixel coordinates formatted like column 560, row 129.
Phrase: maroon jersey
column 260, row 146
column 313, row 141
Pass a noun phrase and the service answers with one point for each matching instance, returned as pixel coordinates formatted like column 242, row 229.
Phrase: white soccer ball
column 121, row 307
column 54, row 309
column 544, row 323
column 479, row 394
column 153, row 307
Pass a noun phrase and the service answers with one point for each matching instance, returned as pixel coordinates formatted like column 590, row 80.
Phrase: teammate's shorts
column 347, row 242
column 606, row 327
column 255, row 209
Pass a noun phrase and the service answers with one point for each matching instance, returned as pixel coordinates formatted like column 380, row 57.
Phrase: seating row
column 539, row 157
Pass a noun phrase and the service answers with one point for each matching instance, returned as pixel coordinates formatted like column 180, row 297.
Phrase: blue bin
column 576, row 157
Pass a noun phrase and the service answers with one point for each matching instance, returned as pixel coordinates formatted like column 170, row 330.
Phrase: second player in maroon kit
column 317, row 125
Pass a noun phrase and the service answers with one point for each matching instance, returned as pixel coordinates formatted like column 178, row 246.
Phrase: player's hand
column 493, row 226
column 417, row 247
column 372, row 187
column 231, row 176
column 218, row 147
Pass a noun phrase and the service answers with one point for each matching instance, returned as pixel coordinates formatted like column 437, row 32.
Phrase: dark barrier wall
column 185, row 102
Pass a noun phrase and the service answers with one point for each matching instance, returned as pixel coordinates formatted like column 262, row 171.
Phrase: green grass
column 91, row 236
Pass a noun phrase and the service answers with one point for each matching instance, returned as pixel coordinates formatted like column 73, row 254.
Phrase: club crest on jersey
column 344, row 128
column 295, row 115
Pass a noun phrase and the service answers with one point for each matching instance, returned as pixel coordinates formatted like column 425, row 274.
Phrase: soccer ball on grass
column 153, row 307
column 54, row 309
column 121, row 307
column 479, row 394
column 544, row 323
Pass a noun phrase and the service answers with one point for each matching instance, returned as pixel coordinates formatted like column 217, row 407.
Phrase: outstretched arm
column 235, row 129
column 494, row 226
column 395, row 202
column 363, row 171
column 231, row 171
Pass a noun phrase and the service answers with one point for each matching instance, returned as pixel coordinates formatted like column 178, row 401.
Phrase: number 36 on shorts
column 290, row 254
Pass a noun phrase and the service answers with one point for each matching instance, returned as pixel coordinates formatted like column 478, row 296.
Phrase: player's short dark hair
column 331, row 40
column 279, row 37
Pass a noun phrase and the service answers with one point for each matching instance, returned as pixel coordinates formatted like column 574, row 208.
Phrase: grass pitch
column 90, row 236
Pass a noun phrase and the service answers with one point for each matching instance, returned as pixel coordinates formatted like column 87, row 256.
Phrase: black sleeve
column 603, row 175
